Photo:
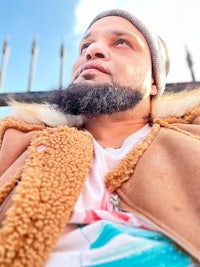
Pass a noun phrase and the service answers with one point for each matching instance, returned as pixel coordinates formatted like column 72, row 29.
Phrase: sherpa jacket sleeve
column 13, row 155
column 14, row 144
column 48, row 185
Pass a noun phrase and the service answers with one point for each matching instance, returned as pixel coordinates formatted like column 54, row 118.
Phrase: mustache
column 99, row 99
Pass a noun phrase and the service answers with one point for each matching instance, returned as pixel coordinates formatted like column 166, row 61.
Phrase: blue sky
column 50, row 22
column 54, row 21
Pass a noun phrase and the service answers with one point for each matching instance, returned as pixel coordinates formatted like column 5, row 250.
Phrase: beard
column 95, row 100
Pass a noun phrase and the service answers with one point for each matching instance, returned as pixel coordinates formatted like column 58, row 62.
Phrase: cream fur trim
column 43, row 113
column 175, row 104
column 169, row 104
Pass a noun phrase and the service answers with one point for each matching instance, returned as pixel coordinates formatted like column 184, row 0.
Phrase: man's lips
column 90, row 66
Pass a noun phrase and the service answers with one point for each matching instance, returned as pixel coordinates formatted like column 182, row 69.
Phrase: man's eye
column 84, row 46
column 122, row 42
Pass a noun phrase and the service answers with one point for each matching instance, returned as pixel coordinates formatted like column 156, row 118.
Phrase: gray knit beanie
column 158, row 48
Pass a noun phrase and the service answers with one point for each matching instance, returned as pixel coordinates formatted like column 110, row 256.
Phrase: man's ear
column 154, row 89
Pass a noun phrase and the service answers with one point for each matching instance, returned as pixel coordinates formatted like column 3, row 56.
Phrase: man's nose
column 97, row 50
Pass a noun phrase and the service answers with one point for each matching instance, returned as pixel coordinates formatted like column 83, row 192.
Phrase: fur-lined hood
column 168, row 105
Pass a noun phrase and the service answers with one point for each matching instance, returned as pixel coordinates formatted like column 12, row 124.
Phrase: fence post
column 34, row 53
column 5, row 55
column 62, row 61
column 190, row 63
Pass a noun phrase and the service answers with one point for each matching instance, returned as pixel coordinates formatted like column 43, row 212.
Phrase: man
column 120, row 187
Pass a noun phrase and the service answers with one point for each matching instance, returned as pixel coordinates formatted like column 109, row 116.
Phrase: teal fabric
column 140, row 248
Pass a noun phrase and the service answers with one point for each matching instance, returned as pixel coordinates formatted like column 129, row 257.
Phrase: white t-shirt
column 94, row 193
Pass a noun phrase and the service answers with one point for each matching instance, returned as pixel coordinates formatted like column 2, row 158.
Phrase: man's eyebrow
column 120, row 33
column 86, row 36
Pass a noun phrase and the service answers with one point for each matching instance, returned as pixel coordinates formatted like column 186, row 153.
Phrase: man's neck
column 112, row 130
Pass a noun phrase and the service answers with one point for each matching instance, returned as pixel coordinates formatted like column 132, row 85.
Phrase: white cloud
column 86, row 10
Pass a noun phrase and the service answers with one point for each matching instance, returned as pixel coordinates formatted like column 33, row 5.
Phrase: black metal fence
column 34, row 55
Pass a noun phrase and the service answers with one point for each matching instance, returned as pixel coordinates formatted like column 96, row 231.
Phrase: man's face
column 113, row 72
column 114, row 51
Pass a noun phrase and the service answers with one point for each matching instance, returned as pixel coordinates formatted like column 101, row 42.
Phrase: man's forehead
column 113, row 24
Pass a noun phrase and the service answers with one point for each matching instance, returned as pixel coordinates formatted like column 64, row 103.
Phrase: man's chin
column 83, row 81
column 92, row 80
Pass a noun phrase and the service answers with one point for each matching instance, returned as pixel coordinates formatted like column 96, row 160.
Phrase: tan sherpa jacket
column 45, row 158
